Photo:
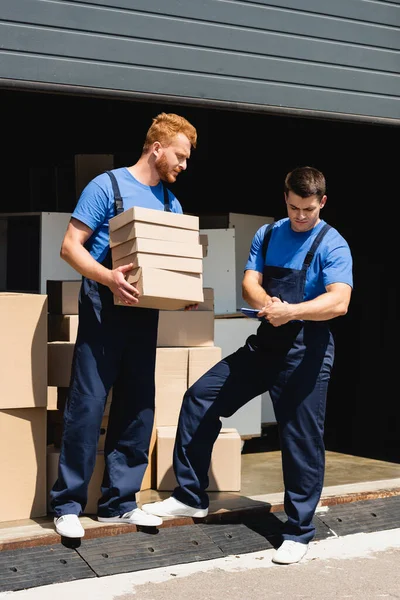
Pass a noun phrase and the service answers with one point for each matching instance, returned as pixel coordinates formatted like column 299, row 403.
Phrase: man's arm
column 76, row 255
column 333, row 303
column 252, row 291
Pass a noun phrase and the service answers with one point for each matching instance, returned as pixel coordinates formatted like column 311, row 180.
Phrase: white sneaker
column 134, row 517
column 171, row 507
column 290, row 552
column 69, row 526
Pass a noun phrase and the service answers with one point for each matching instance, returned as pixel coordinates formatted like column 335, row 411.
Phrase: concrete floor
column 347, row 478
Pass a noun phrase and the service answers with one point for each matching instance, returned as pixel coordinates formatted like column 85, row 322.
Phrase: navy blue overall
column 294, row 363
column 115, row 348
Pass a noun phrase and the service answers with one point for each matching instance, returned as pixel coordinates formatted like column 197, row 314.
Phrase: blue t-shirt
column 95, row 206
column 332, row 262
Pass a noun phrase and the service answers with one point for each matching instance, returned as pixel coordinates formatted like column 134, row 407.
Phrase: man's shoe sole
column 127, row 521
column 198, row 514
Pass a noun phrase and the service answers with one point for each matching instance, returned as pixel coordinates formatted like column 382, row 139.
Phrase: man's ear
column 156, row 149
column 323, row 201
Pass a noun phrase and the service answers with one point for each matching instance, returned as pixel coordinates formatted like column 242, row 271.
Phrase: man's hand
column 121, row 288
column 191, row 307
column 276, row 312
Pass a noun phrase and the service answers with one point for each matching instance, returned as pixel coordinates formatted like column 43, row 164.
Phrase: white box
column 245, row 227
column 219, row 269
column 230, row 334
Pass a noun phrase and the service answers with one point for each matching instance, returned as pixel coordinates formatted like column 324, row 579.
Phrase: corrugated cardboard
column 155, row 232
column 150, row 215
column 225, row 468
column 63, row 296
column 208, row 303
column 59, row 363
column 62, row 328
column 149, row 478
column 52, row 397
column 23, row 463
column 158, row 261
column 200, row 361
column 23, row 350
column 171, row 384
column 166, row 290
column 162, row 247
column 203, row 238
column 185, row 328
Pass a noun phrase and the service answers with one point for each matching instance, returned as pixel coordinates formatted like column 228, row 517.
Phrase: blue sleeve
column 93, row 206
column 255, row 262
column 338, row 266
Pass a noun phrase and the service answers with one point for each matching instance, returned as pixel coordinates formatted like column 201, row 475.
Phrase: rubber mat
column 271, row 526
column 43, row 565
column 364, row 516
column 237, row 538
column 125, row 553
column 138, row 551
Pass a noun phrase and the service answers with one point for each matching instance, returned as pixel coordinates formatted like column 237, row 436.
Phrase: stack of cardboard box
column 23, row 400
column 166, row 254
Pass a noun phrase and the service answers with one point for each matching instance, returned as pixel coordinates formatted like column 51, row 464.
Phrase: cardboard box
column 52, row 397
column 149, row 246
column 149, row 477
column 23, row 350
column 200, row 360
column 225, row 468
column 23, row 463
column 60, row 356
column 203, row 238
column 62, row 328
column 153, row 216
column 63, row 296
column 165, row 290
column 158, row 261
column 208, row 303
column 185, row 328
column 154, row 232
column 171, row 384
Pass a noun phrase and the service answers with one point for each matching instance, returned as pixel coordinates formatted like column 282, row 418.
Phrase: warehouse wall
column 336, row 57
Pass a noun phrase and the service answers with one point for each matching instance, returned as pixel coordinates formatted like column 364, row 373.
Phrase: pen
column 280, row 297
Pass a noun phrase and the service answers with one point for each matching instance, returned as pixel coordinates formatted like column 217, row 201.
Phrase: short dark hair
column 305, row 182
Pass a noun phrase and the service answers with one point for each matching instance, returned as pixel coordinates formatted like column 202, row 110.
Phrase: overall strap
column 167, row 207
column 118, row 202
column 316, row 243
column 267, row 237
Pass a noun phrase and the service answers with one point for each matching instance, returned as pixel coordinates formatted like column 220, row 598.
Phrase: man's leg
column 131, row 419
column 94, row 368
column 221, row 391
column 300, row 412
